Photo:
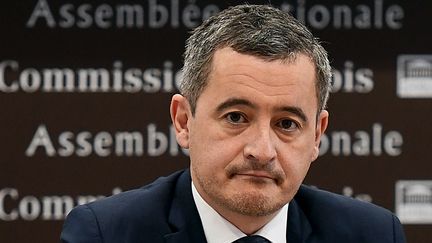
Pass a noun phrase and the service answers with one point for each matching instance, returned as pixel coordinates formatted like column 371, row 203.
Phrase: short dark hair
column 258, row 30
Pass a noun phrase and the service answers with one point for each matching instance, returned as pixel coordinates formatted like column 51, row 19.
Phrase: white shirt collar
column 219, row 230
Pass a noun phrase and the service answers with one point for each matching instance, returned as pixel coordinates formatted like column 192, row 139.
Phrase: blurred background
column 85, row 88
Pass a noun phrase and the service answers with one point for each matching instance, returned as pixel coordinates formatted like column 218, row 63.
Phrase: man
column 251, row 112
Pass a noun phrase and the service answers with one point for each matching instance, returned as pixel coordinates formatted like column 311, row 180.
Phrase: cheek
column 296, row 159
column 211, row 153
column 295, row 168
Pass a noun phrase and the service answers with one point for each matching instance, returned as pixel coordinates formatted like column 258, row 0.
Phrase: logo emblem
column 414, row 76
column 414, row 201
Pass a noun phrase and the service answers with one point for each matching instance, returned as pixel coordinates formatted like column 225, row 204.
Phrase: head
column 256, row 30
column 251, row 111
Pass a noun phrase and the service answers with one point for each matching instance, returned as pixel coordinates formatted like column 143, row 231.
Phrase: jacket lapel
column 298, row 226
column 183, row 215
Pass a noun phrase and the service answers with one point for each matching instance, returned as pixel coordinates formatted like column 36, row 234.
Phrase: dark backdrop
column 85, row 89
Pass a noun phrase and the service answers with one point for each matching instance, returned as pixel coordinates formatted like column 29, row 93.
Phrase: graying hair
column 258, row 30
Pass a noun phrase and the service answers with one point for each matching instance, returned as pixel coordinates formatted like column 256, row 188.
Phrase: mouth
column 255, row 175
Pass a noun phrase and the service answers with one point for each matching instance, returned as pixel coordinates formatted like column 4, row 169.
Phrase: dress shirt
column 219, row 230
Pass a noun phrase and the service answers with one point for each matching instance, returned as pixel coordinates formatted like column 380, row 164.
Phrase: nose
column 260, row 147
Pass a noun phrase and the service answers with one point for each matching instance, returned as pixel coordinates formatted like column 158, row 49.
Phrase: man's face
column 254, row 134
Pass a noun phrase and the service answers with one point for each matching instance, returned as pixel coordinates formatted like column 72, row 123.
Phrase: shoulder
column 131, row 215
column 331, row 203
column 147, row 199
column 348, row 218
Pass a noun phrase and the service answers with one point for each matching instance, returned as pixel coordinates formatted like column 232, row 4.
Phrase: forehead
column 278, row 81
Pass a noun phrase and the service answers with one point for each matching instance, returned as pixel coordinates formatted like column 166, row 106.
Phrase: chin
column 254, row 204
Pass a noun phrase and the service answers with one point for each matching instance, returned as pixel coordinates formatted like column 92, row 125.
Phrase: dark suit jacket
column 164, row 211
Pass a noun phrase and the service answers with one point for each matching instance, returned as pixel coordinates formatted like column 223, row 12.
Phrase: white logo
column 414, row 76
column 414, row 201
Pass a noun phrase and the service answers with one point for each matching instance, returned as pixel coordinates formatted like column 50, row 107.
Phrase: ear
column 180, row 115
column 321, row 126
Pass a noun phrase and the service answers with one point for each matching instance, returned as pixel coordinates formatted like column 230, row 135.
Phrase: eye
column 235, row 117
column 287, row 124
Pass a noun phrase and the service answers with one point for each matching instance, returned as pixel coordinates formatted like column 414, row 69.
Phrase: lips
column 256, row 174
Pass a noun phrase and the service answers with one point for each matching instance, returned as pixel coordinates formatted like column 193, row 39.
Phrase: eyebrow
column 296, row 111
column 237, row 101
column 234, row 102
